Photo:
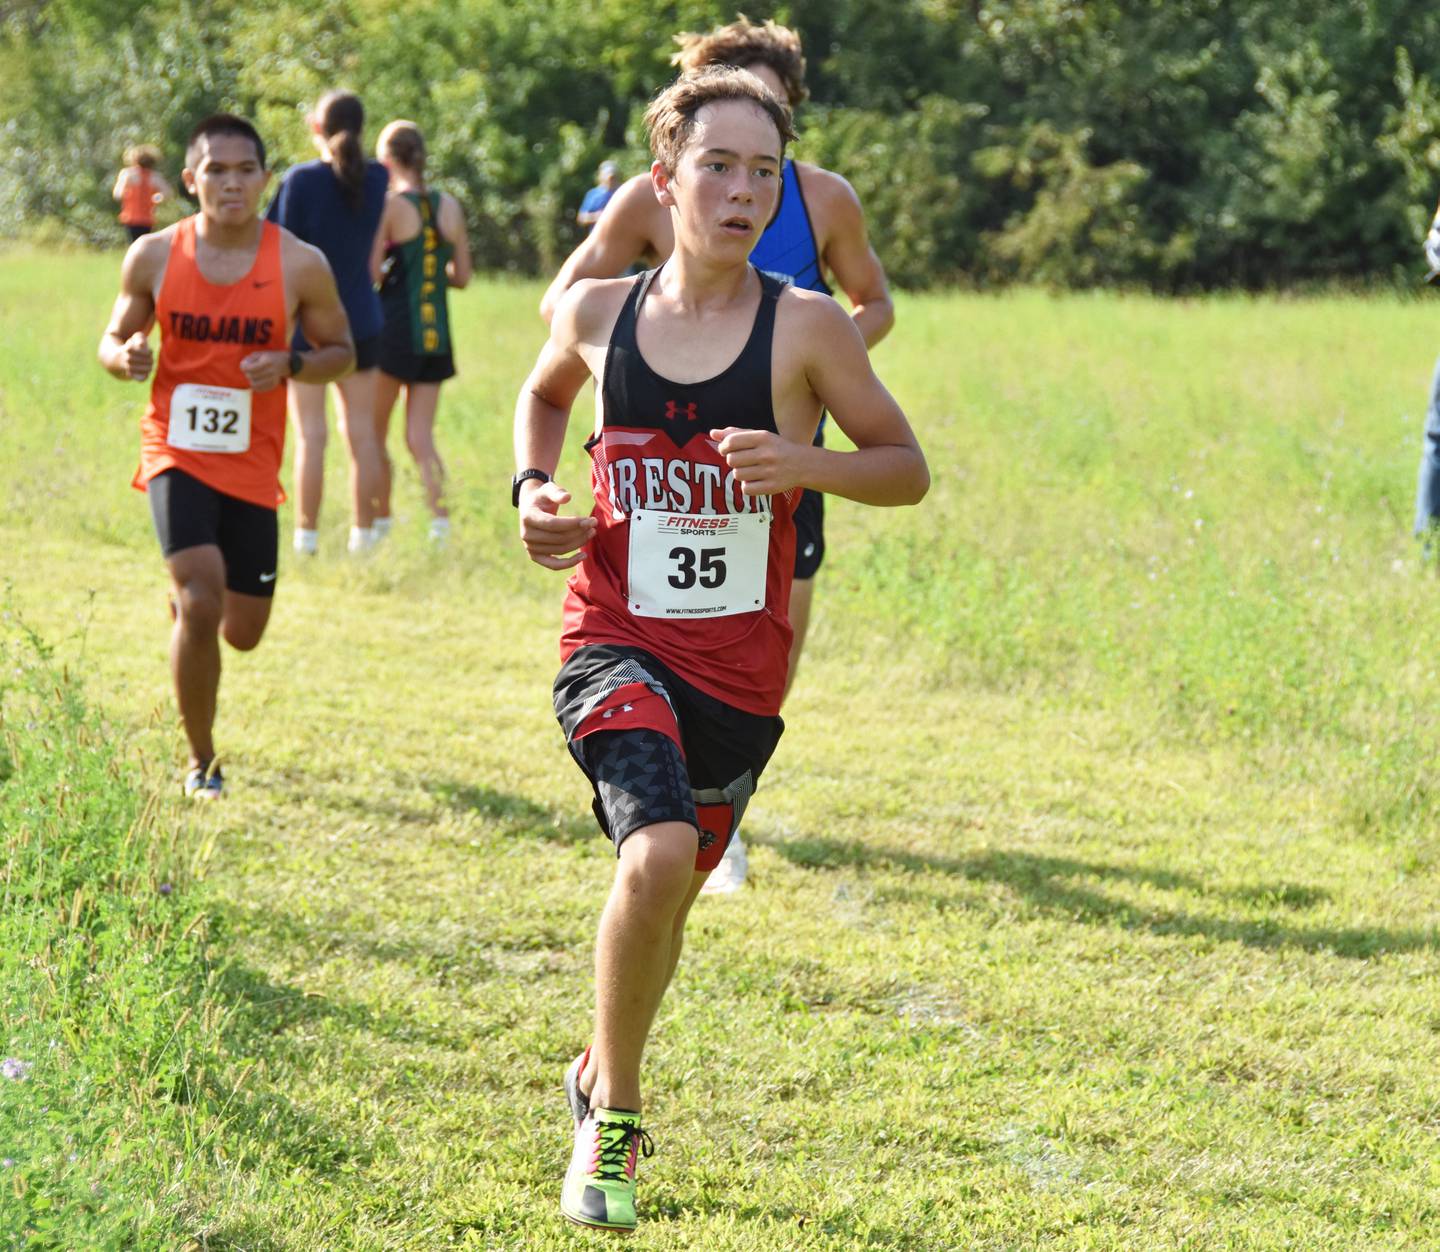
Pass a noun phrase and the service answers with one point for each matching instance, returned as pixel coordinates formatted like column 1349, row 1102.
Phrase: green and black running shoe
column 600, row 1183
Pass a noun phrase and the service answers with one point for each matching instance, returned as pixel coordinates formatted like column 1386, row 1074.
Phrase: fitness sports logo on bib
column 698, row 564
column 209, row 419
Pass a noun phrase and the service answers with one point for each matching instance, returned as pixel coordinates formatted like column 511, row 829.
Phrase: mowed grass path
column 1093, row 884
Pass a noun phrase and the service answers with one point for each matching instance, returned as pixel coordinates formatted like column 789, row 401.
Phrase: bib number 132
column 209, row 419
column 697, row 564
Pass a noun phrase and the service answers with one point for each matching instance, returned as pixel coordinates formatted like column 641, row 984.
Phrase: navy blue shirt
column 312, row 204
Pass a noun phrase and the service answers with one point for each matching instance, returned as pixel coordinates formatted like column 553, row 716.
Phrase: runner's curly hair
column 670, row 119
column 145, row 155
column 745, row 43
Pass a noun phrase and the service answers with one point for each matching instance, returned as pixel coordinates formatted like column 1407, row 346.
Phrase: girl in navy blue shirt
column 335, row 203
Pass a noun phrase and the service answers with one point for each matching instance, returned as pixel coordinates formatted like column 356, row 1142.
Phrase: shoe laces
column 615, row 1151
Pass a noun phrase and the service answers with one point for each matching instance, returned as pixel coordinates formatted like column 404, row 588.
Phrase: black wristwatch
column 297, row 363
column 539, row 475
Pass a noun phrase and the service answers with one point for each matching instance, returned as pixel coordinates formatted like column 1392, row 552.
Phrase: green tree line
column 1174, row 144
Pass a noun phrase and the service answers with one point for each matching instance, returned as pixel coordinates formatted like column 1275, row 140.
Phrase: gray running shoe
column 579, row 1105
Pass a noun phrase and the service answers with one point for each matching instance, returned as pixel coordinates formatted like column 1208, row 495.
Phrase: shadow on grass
column 1049, row 884
column 514, row 814
column 472, row 953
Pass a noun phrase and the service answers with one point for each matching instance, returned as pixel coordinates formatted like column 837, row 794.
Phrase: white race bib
column 209, row 419
column 698, row 564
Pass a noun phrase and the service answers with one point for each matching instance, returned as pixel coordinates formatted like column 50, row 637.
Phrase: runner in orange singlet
column 139, row 187
column 226, row 290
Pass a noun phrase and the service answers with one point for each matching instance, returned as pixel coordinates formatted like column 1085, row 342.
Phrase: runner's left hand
column 266, row 369
column 765, row 464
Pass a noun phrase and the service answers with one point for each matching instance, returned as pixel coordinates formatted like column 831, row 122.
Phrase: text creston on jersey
column 673, row 482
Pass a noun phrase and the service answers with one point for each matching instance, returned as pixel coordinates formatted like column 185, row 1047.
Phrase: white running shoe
column 205, row 782
column 439, row 531
column 362, row 539
column 307, row 542
column 729, row 875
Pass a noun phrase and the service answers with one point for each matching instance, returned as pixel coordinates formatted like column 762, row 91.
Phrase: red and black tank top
column 203, row 417
column 682, row 563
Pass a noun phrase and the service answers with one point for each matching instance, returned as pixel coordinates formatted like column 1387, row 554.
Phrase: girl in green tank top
column 421, row 251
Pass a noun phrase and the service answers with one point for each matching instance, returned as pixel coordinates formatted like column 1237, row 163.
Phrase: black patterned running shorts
column 658, row 749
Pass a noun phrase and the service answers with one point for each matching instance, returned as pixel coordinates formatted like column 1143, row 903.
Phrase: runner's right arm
column 541, row 415
column 621, row 236
column 125, row 347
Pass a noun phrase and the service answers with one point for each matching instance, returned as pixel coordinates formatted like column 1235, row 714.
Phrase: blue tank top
column 787, row 248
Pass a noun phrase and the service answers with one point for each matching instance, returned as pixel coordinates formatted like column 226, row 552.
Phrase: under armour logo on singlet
column 672, row 411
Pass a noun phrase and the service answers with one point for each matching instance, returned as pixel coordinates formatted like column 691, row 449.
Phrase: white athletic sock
column 439, row 529
column 307, row 542
column 362, row 538
column 381, row 527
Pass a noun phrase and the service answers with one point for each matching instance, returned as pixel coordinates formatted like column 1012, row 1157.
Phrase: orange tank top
column 137, row 200
column 203, row 418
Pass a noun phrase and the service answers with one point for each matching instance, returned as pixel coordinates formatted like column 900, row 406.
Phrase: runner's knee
column 658, row 862
column 312, row 432
column 199, row 605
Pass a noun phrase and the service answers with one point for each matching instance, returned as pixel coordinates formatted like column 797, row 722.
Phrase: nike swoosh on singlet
column 266, row 283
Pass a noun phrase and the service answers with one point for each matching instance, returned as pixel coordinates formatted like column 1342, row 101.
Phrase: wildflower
column 165, row 888
column 15, row 1070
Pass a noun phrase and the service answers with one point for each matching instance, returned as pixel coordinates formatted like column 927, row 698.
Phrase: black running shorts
column 367, row 353
column 809, row 533
column 189, row 514
column 658, row 749
column 411, row 367
column 810, row 525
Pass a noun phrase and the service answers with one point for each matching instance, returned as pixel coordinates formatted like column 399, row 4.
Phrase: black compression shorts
column 809, row 533
column 658, row 749
column 189, row 514
column 810, row 525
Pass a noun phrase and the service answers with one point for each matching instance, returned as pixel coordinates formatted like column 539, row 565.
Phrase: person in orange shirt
column 226, row 290
column 139, row 187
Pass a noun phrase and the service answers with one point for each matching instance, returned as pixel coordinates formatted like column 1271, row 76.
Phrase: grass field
column 1093, row 885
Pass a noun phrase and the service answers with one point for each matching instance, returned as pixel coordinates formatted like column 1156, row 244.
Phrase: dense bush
column 1140, row 141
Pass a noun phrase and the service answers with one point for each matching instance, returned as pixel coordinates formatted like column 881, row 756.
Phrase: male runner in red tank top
column 711, row 381
column 226, row 290
column 833, row 249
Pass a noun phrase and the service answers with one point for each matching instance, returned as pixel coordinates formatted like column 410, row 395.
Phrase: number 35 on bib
column 209, row 419
column 698, row 564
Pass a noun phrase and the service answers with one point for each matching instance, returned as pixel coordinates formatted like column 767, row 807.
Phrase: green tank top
column 415, row 282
